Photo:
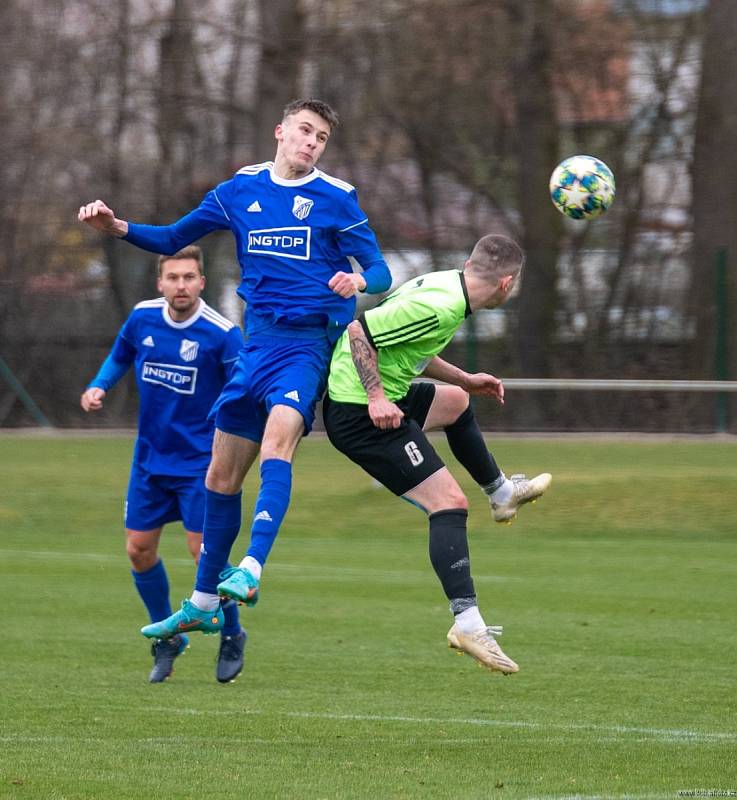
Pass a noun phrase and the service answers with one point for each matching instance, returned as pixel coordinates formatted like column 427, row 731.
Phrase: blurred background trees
column 454, row 114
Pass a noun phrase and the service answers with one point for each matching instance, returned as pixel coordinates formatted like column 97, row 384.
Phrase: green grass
column 617, row 593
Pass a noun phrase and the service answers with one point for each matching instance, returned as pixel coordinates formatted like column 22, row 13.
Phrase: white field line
column 606, row 732
column 668, row 735
column 663, row 796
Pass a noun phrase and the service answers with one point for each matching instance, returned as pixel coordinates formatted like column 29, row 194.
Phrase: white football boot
column 482, row 646
column 525, row 491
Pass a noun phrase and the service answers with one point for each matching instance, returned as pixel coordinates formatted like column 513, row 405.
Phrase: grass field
column 617, row 593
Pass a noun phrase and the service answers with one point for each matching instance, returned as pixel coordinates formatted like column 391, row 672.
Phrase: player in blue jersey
column 182, row 352
column 295, row 229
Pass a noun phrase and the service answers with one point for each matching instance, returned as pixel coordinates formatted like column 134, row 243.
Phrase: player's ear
column 506, row 283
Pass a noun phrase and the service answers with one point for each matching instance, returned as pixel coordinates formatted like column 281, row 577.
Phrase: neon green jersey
column 407, row 329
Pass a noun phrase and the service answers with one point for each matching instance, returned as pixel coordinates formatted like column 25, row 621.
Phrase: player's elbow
column 172, row 245
column 355, row 329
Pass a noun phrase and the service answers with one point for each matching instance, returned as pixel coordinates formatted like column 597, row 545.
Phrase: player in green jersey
column 377, row 416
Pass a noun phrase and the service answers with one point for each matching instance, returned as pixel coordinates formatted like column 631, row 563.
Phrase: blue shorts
column 270, row 372
column 154, row 500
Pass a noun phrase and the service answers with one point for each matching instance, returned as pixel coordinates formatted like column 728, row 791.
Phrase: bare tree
column 715, row 190
column 282, row 37
column 537, row 149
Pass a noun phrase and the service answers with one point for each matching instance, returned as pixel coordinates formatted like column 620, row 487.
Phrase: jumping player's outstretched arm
column 164, row 239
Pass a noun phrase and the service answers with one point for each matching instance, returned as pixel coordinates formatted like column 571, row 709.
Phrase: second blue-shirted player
column 182, row 352
column 295, row 229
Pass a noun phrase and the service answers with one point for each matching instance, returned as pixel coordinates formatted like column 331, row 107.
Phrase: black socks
column 468, row 446
column 450, row 559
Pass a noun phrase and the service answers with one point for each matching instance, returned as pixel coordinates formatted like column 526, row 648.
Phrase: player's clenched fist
column 92, row 399
column 346, row 284
column 385, row 414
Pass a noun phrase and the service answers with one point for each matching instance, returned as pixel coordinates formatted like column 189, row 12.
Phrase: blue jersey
column 292, row 236
column 181, row 368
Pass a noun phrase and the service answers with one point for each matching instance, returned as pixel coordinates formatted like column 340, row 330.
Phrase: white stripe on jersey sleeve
column 355, row 225
column 156, row 303
column 346, row 187
column 254, row 169
column 219, row 320
column 222, row 207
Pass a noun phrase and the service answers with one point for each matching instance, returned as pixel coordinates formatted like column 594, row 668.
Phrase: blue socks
column 153, row 586
column 222, row 523
column 271, row 506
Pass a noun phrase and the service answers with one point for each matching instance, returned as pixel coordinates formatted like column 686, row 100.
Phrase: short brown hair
column 317, row 106
column 495, row 256
column 190, row 251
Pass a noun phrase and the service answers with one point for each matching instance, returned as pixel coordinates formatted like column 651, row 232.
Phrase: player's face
column 302, row 138
column 181, row 284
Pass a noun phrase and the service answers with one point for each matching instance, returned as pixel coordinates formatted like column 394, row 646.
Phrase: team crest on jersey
column 188, row 350
column 302, row 207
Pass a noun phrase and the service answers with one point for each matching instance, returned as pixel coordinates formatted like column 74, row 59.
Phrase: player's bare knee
column 222, row 483
column 279, row 450
column 451, row 500
column 284, row 430
column 279, row 444
column 223, row 477
column 459, row 400
column 449, row 405
column 142, row 556
column 457, row 499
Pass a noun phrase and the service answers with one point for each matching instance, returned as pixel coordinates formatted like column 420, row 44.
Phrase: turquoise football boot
column 188, row 618
column 239, row 584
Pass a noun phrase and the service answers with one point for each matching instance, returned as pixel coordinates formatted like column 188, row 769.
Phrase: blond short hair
column 495, row 256
column 191, row 251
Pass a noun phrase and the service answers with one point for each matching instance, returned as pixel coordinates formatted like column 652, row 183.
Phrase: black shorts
column 400, row 458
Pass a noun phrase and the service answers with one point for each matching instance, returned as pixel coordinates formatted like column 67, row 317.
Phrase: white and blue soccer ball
column 582, row 187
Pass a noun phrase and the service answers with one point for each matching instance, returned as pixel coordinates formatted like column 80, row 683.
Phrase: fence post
column 720, row 364
column 25, row 398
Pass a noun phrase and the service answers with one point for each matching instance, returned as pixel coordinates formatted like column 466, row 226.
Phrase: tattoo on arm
column 366, row 361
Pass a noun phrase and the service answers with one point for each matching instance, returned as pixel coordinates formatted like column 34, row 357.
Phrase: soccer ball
column 582, row 187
